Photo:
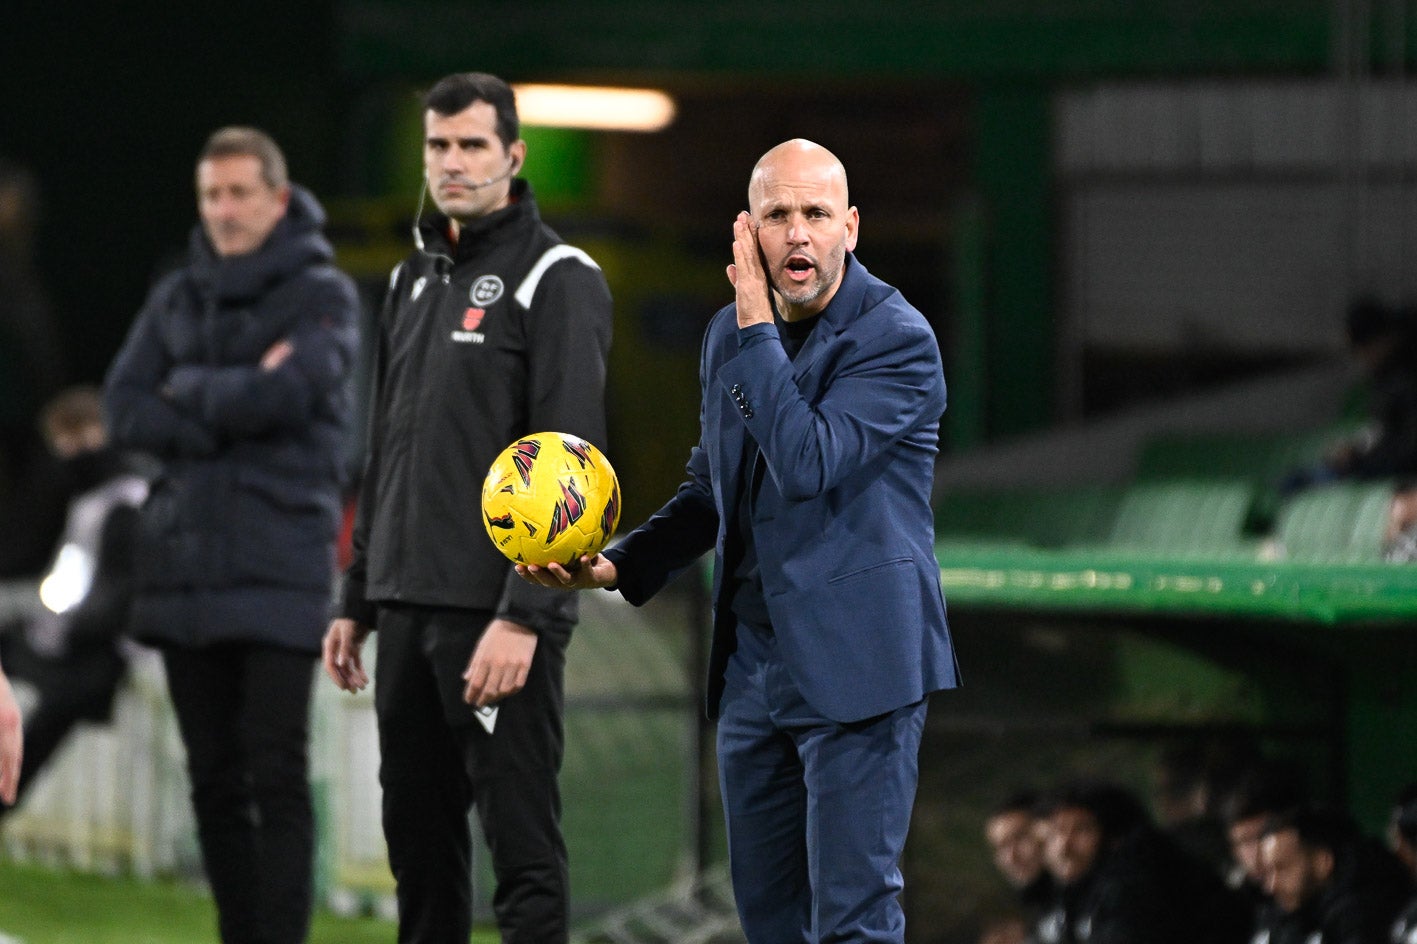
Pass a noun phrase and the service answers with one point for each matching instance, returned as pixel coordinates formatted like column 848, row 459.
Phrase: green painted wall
column 1006, row 39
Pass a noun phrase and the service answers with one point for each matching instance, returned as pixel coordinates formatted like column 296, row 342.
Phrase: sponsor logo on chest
column 485, row 291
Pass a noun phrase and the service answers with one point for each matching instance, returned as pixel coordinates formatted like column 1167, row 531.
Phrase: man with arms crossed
column 233, row 376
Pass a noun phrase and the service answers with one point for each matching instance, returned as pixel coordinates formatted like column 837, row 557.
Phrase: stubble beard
column 806, row 294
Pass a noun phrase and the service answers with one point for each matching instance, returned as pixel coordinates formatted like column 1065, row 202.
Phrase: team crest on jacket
column 485, row 290
column 467, row 332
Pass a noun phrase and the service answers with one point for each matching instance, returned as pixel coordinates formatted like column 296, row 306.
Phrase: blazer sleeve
column 681, row 532
column 886, row 381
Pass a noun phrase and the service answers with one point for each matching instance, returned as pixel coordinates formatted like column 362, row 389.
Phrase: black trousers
column 244, row 710
column 438, row 762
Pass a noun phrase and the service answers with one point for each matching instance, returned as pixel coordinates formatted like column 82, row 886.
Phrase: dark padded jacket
column 236, row 540
column 505, row 334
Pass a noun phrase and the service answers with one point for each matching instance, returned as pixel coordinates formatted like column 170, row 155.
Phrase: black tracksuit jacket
column 503, row 335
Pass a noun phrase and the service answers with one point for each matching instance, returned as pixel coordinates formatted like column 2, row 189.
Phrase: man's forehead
column 229, row 168
column 779, row 190
column 476, row 120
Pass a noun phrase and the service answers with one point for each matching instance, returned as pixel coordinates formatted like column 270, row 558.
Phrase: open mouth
column 799, row 267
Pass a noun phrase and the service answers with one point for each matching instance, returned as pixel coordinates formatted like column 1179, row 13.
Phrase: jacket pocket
column 878, row 569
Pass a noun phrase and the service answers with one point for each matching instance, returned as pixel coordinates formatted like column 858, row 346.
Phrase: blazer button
column 736, row 389
column 747, row 412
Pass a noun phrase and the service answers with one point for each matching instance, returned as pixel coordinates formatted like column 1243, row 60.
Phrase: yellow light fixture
column 592, row 106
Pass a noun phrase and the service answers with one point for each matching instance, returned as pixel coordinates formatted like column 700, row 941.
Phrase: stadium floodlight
column 591, row 106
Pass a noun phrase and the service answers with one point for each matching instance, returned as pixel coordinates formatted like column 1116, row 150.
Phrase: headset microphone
column 418, row 214
column 512, row 168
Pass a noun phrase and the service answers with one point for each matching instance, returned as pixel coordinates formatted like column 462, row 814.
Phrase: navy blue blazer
column 845, row 538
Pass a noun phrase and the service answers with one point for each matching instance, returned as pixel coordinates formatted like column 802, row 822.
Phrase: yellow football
column 550, row 497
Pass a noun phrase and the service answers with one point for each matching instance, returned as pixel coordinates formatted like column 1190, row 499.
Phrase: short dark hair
column 1318, row 827
column 1267, row 788
column 236, row 140
column 1118, row 811
column 1020, row 801
column 455, row 92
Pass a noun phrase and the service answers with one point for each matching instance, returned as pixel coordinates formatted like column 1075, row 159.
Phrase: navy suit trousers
column 817, row 811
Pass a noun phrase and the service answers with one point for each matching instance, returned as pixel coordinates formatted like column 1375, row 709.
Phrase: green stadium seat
column 1342, row 522
column 1051, row 517
column 1184, row 517
column 1263, row 457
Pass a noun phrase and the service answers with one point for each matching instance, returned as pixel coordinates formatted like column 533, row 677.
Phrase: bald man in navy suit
column 822, row 396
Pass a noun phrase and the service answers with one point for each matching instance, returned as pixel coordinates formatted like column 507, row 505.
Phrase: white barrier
column 114, row 799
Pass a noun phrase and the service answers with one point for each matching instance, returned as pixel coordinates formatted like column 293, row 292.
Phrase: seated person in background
column 1015, row 839
column 1121, row 880
column 70, row 653
column 1383, row 339
column 1328, row 883
column 1269, row 789
column 1402, row 839
column 1400, row 540
column 1192, row 778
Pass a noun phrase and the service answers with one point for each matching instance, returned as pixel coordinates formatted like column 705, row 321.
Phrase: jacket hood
column 297, row 241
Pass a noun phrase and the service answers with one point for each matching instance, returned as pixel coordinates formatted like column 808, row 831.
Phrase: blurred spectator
column 234, row 377
column 1383, row 339
column 1328, row 883
column 1268, row 789
column 31, row 371
column 70, row 654
column 1400, row 539
column 31, row 366
column 1015, row 839
column 1121, row 880
column 1402, row 838
column 1191, row 780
